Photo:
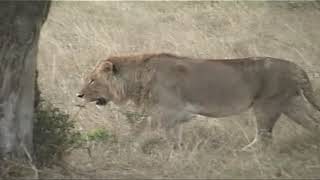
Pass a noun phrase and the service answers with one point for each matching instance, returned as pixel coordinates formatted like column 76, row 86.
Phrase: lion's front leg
column 172, row 123
column 174, row 135
column 167, row 123
column 164, row 124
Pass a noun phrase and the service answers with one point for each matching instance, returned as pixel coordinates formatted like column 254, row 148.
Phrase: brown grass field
column 79, row 34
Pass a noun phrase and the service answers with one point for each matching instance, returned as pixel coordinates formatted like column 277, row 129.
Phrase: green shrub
column 53, row 133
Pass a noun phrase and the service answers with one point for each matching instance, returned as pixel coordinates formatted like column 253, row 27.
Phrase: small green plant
column 99, row 135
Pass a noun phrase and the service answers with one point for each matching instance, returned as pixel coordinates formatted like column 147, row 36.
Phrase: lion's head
column 102, row 84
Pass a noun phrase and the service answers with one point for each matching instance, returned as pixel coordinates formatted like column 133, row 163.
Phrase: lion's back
column 224, row 82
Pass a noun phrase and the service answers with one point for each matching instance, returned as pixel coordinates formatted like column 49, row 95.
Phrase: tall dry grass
column 79, row 34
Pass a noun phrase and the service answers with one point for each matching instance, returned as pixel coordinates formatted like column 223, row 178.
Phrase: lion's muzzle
column 80, row 95
column 101, row 101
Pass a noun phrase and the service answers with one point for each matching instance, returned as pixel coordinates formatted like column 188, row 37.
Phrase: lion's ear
column 106, row 66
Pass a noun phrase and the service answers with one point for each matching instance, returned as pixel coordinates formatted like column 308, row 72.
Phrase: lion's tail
column 307, row 89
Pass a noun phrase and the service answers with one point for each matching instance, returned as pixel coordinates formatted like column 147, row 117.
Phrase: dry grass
column 78, row 34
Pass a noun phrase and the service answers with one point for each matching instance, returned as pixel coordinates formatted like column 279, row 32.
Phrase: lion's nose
column 80, row 95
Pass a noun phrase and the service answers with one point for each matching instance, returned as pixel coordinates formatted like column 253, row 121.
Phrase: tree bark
column 20, row 24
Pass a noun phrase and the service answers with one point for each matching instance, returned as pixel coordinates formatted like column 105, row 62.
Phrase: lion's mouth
column 101, row 101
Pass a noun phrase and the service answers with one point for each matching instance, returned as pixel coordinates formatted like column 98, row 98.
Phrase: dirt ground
column 79, row 34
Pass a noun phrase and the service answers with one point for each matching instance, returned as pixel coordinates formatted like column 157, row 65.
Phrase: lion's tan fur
column 214, row 88
column 138, row 75
column 117, row 88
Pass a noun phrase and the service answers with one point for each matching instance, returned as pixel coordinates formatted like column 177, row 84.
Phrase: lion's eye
column 91, row 82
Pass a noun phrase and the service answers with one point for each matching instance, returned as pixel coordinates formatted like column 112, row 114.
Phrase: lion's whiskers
column 81, row 106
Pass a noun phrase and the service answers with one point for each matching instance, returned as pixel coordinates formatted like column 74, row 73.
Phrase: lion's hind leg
column 303, row 113
column 267, row 113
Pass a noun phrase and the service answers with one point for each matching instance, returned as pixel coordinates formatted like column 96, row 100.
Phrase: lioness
column 182, row 86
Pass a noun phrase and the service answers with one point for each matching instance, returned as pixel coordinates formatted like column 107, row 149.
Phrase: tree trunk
column 20, row 24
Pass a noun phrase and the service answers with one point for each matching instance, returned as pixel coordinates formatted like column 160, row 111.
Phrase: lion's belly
column 219, row 105
column 218, row 91
column 218, row 110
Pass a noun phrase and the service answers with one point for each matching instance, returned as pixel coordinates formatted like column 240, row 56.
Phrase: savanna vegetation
column 86, row 142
